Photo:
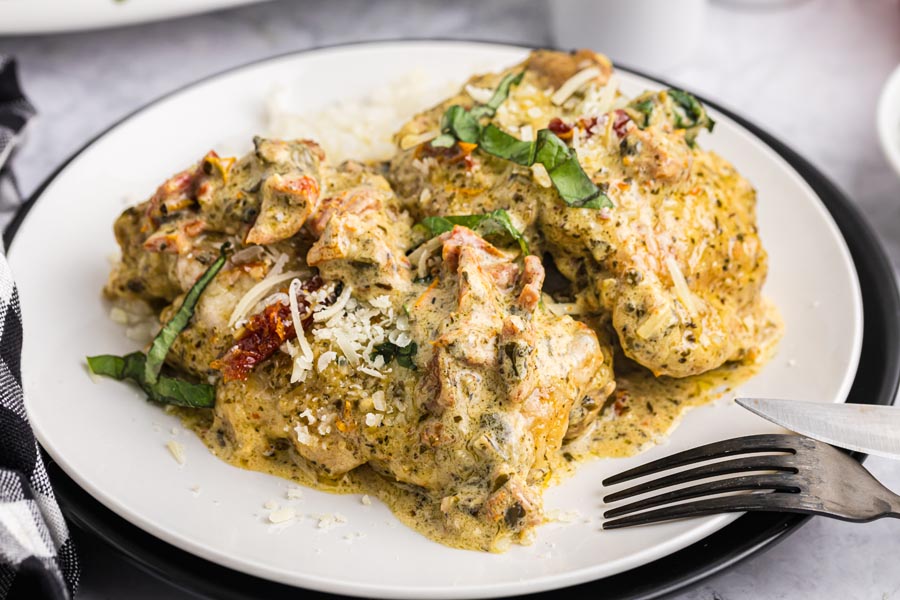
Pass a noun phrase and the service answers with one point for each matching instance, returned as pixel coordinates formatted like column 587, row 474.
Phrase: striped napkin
column 37, row 555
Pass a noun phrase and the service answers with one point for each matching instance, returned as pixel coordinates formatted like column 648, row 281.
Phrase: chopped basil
column 144, row 369
column 551, row 151
column 499, row 96
column 680, row 108
column 156, row 355
column 461, row 124
column 574, row 186
column 691, row 113
column 494, row 222
column 645, row 108
column 457, row 123
column 389, row 351
column 497, row 142
column 165, row 390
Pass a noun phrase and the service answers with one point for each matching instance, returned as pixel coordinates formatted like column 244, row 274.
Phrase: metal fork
column 805, row 476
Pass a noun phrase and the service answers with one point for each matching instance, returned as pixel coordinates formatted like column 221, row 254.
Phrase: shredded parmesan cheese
column 258, row 292
column 337, row 307
column 302, row 362
column 573, row 84
column 303, row 435
column 562, row 308
column 411, row 141
column 526, row 133
column 325, row 359
column 420, row 255
column 177, row 451
column 282, row 515
column 681, row 287
column 659, row 320
column 371, row 371
column 541, row 176
column 479, row 95
column 600, row 101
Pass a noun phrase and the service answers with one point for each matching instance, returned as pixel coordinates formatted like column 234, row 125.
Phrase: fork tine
column 737, row 465
column 780, row 482
column 743, row 445
column 772, row 501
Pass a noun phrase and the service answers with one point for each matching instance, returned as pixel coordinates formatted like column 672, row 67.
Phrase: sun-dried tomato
column 458, row 152
column 589, row 124
column 263, row 334
column 178, row 192
column 563, row 130
column 620, row 124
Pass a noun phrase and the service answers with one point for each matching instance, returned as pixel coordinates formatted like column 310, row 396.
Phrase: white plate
column 888, row 119
column 112, row 443
column 18, row 17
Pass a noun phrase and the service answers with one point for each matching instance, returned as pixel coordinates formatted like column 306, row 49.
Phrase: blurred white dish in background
column 888, row 120
column 26, row 17
column 650, row 35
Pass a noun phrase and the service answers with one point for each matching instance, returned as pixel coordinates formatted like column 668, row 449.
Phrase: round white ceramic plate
column 18, row 17
column 113, row 443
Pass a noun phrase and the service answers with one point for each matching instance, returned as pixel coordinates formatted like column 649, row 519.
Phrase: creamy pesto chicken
column 676, row 263
column 375, row 330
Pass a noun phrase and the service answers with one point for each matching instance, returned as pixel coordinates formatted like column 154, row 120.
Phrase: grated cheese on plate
column 177, row 451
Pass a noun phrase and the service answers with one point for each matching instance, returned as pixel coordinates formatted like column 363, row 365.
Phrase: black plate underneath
column 875, row 383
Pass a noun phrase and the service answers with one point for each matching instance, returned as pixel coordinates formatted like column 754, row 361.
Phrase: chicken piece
column 287, row 201
column 679, row 270
column 498, row 381
column 676, row 263
column 268, row 194
column 361, row 233
column 168, row 240
column 455, row 181
column 474, row 422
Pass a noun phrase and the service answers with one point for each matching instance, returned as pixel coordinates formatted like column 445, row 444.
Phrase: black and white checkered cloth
column 37, row 556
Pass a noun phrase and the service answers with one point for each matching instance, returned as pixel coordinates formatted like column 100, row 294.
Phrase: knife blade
column 869, row 429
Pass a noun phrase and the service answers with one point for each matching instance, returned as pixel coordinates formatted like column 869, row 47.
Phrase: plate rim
column 758, row 531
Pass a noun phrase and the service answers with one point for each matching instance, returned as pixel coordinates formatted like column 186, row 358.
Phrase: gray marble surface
column 809, row 71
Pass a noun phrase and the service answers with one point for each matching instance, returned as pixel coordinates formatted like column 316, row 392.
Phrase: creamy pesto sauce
column 415, row 510
column 641, row 412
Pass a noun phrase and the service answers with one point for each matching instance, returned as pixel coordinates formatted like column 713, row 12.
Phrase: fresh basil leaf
column 445, row 140
column 388, row 351
column 405, row 356
column 499, row 96
column 107, row 365
column 551, row 151
column 689, row 114
column 569, row 179
column 144, row 369
column 461, row 124
column 169, row 390
column 496, row 221
column 435, row 225
column 163, row 341
column 645, row 109
column 498, row 143
column 575, row 187
column 165, row 390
